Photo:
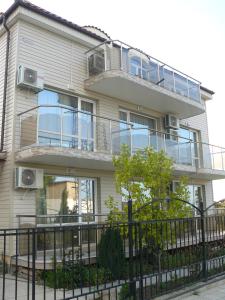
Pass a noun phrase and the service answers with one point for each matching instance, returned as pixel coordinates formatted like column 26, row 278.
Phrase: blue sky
column 188, row 35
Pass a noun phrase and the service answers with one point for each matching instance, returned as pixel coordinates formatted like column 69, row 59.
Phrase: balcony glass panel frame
column 121, row 56
column 109, row 136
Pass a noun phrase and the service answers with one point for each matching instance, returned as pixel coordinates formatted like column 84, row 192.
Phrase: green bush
column 74, row 274
column 124, row 292
column 111, row 254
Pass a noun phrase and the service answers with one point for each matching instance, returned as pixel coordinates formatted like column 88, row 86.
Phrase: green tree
column 146, row 177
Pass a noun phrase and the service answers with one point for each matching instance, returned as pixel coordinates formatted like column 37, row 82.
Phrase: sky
column 186, row 34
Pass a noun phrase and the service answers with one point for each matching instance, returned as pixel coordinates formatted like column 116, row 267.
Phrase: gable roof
column 34, row 8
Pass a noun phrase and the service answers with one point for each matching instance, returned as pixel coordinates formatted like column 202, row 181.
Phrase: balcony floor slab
column 119, row 84
column 66, row 157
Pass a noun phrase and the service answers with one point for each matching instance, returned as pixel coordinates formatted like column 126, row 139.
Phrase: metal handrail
column 121, row 121
column 74, row 110
column 142, row 52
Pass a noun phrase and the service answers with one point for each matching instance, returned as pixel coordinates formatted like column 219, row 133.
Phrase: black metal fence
column 93, row 262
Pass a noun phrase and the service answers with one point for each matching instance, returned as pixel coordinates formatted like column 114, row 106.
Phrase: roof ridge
column 39, row 10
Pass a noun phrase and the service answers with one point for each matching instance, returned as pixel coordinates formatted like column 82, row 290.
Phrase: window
column 67, row 196
column 139, row 137
column 196, row 194
column 62, row 124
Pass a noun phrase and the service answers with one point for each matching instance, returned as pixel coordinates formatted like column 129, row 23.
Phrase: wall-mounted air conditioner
column 172, row 135
column 171, row 121
column 96, row 63
column 30, row 78
column 29, row 178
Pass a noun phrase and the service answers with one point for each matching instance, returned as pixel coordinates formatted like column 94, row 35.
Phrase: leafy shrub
column 124, row 292
column 74, row 274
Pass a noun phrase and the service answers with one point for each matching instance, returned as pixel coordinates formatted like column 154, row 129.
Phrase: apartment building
column 71, row 98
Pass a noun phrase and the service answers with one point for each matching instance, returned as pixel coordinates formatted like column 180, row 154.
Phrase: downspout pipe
column 5, row 83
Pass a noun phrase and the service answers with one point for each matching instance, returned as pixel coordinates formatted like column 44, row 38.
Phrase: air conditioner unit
column 171, row 121
column 30, row 78
column 172, row 135
column 29, row 178
column 96, row 63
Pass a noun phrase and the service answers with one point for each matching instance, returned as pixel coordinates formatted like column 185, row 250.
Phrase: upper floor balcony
column 118, row 70
column 58, row 135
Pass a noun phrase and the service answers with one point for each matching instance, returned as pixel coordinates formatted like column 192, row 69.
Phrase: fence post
column 141, row 261
column 33, row 262
column 204, row 259
column 132, row 284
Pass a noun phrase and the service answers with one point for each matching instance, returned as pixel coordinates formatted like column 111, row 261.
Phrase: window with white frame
column 65, row 120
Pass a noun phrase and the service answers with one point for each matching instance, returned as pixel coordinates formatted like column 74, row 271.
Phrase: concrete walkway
column 214, row 290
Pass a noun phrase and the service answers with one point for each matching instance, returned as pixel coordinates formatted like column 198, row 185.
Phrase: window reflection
column 139, row 136
column 67, row 196
column 196, row 194
column 65, row 126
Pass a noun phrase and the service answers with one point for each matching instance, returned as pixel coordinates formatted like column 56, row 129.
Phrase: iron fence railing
column 117, row 55
column 92, row 261
column 60, row 126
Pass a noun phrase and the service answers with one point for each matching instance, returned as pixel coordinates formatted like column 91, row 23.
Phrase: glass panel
column 52, row 118
column 188, row 148
column 70, row 142
column 172, row 148
column 68, row 101
column 87, row 199
column 49, row 139
column 135, row 66
column 185, row 150
column 168, row 79
column 145, row 70
column 140, row 132
column 124, row 136
column 181, row 86
column 69, row 122
column 66, row 196
column 154, row 76
column 193, row 89
column 87, row 126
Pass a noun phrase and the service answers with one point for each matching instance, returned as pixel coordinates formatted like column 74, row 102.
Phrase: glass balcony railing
column 59, row 126
column 116, row 55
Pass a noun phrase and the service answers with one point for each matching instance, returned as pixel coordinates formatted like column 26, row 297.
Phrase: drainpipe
column 5, row 83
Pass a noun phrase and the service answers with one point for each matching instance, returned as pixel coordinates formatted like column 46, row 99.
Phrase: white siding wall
column 199, row 123
column 6, row 168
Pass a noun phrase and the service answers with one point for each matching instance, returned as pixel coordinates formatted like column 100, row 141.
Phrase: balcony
column 59, row 135
column 120, row 71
